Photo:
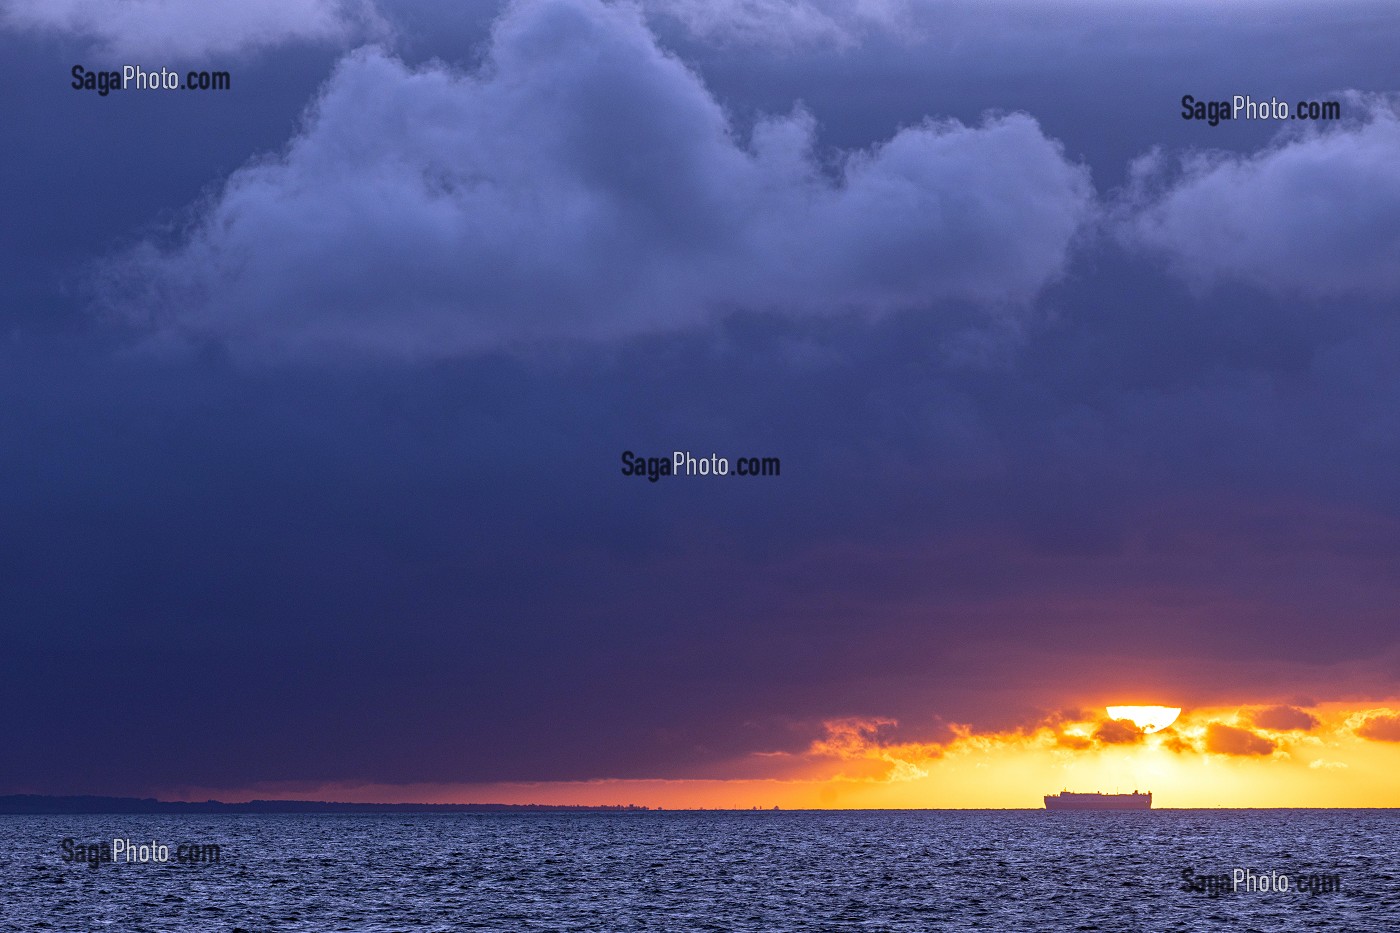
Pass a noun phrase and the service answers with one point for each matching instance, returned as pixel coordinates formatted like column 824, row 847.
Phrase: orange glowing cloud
column 1263, row 755
column 1118, row 732
column 1224, row 739
column 1380, row 725
column 1284, row 719
column 1329, row 754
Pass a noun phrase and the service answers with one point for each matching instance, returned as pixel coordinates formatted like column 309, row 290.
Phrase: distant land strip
column 35, row 804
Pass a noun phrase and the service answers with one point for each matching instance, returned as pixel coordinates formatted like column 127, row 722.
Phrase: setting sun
column 1147, row 718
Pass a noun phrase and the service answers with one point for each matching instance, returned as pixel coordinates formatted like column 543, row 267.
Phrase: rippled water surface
column 780, row 871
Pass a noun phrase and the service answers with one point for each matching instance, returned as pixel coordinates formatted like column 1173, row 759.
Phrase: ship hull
column 1099, row 802
column 1124, row 804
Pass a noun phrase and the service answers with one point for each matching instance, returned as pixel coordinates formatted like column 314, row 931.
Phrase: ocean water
column 709, row 871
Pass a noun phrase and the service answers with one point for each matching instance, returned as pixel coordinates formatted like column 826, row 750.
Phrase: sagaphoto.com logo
column 1249, row 881
column 136, row 78
column 1245, row 107
column 122, row 851
column 686, row 463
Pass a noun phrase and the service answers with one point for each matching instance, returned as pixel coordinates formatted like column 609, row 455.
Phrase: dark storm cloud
column 558, row 192
column 218, row 574
column 952, row 536
column 585, row 183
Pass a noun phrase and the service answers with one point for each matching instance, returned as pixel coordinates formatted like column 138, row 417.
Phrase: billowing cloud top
column 1317, row 213
column 586, row 183
column 193, row 30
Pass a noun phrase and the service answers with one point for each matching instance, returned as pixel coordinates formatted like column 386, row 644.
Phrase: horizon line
column 98, row 804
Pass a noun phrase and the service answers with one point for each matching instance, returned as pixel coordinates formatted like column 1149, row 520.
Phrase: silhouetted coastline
column 34, row 804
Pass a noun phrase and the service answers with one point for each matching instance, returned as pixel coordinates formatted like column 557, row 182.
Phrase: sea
column 1004, row 870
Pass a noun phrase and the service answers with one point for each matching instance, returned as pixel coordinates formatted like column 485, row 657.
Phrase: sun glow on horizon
column 1149, row 719
column 1331, row 754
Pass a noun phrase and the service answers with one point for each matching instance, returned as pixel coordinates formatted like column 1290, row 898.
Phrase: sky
column 316, row 393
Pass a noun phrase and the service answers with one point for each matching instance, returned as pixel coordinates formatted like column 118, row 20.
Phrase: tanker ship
column 1067, row 800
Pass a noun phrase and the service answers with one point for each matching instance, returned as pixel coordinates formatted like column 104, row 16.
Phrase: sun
column 1147, row 718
